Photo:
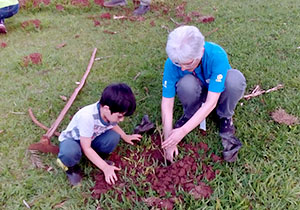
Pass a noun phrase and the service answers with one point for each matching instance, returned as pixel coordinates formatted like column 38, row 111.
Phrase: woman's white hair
column 184, row 44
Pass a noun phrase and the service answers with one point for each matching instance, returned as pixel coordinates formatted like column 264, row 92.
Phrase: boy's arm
column 109, row 171
column 125, row 137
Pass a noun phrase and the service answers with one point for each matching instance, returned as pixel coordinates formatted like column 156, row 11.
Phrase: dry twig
column 166, row 27
column 176, row 23
column 258, row 91
column 61, row 45
column 119, row 17
column 64, row 98
column 161, row 141
column 26, row 204
column 210, row 32
column 103, row 57
column 36, row 160
column 17, row 113
column 136, row 76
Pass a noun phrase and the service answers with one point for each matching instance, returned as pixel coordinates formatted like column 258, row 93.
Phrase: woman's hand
column 174, row 138
column 170, row 151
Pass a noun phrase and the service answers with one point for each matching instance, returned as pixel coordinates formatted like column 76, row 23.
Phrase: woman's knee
column 235, row 80
column 188, row 85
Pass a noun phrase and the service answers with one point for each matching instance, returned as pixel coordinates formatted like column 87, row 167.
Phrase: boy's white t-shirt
column 87, row 122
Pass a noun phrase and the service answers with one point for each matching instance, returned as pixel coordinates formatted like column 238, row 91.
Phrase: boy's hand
column 110, row 175
column 129, row 138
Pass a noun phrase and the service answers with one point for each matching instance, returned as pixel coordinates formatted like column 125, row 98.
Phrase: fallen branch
column 51, row 131
column 258, row 91
column 33, row 118
column 44, row 145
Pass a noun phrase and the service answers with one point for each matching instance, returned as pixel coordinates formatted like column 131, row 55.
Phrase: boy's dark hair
column 120, row 98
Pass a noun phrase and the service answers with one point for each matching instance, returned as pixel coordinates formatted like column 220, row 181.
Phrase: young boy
column 8, row 8
column 94, row 131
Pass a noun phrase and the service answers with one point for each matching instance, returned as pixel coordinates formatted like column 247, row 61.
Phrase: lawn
column 262, row 39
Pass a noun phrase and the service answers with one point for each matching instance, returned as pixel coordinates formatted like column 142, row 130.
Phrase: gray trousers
column 145, row 2
column 192, row 93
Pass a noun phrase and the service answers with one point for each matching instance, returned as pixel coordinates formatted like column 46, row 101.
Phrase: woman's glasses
column 187, row 65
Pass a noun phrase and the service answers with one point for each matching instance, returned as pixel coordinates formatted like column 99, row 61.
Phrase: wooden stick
column 33, row 118
column 54, row 126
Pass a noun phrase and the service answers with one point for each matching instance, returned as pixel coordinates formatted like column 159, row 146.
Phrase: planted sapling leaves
column 165, row 181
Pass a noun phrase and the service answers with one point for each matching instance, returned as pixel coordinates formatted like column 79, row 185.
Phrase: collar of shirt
column 101, row 120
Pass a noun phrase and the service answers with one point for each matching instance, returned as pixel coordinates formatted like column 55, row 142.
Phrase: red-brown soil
column 3, row 44
column 190, row 174
column 34, row 58
column 36, row 23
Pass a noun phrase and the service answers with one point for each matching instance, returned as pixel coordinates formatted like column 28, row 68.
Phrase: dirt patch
column 35, row 3
column 3, row 44
column 181, row 14
column 282, row 117
column 189, row 174
column 82, row 3
column 99, row 2
column 28, row 24
column 59, row 7
column 34, row 58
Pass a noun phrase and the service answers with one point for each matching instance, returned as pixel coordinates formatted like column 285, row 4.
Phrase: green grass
column 261, row 39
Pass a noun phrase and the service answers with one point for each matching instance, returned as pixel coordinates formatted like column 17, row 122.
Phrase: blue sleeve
column 220, row 66
column 170, row 79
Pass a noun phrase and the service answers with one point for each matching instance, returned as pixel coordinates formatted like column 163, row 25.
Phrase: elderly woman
column 199, row 73
column 8, row 8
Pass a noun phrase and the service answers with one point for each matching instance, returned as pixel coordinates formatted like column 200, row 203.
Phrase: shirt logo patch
column 165, row 84
column 219, row 78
